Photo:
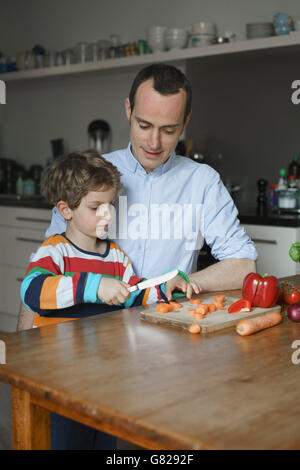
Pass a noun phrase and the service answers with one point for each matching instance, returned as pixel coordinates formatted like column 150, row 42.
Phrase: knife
column 155, row 281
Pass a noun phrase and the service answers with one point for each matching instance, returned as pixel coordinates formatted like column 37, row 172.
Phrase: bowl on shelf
column 259, row 30
column 176, row 38
column 156, row 38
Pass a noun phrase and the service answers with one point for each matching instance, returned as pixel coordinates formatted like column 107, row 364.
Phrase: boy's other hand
column 182, row 285
column 112, row 291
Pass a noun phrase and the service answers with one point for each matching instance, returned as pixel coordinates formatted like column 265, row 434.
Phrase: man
column 170, row 204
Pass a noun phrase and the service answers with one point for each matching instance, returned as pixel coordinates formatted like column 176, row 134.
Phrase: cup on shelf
column 81, row 53
column 67, row 56
column 176, row 38
column 156, row 38
column 104, row 46
column 203, row 33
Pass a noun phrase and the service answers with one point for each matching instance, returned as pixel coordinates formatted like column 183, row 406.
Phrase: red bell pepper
column 261, row 291
column 242, row 305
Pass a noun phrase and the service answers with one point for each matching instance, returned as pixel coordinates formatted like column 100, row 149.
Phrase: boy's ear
column 64, row 210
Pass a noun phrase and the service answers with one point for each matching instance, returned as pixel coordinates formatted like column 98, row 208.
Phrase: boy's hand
column 180, row 284
column 112, row 291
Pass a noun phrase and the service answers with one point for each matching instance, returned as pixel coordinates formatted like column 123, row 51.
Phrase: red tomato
column 290, row 295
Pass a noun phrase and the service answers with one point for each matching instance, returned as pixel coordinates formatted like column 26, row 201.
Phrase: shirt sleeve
column 141, row 297
column 46, row 288
column 57, row 225
column 222, row 229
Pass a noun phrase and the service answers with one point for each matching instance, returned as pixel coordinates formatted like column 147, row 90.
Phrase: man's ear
column 127, row 108
column 64, row 210
column 187, row 120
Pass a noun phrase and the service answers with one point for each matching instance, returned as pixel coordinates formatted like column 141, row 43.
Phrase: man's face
column 156, row 123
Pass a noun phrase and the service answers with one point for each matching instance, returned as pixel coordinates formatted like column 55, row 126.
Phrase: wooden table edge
column 38, row 401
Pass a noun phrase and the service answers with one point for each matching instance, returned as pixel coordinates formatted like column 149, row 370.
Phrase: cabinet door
column 273, row 244
column 17, row 245
column 24, row 217
column 10, row 284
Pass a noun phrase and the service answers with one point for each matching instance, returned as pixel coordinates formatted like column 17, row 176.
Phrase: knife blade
column 155, row 281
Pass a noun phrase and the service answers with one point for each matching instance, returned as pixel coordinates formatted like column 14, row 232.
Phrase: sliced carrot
column 195, row 301
column 198, row 316
column 219, row 298
column 175, row 304
column 219, row 304
column 194, row 328
column 247, row 327
column 192, row 311
column 212, row 307
column 202, row 309
column 163, row 307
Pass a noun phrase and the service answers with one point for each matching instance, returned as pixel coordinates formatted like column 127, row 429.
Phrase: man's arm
column 227, row 274
column 25, row 320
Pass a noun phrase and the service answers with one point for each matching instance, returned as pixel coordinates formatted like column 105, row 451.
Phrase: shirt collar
column 134, row 166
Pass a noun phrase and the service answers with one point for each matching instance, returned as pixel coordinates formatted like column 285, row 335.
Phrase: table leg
column 30, row 423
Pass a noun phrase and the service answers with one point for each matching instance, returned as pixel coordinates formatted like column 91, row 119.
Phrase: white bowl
column 157, row 30
column 176, row 32
column 176, row 43
column 204, row 27
column 157, row 44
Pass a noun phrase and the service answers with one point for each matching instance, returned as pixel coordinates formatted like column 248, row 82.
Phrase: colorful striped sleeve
column 46, row 287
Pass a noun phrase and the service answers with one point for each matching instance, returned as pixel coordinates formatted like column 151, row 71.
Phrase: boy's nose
column 104, row 211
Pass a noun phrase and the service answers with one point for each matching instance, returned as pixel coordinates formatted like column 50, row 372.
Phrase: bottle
column 282, row 181
column 19, row 185
column 272, row 195
column 294, row 167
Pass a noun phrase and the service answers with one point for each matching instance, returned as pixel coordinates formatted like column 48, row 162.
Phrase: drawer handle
column 29, row 219
column 267, row 242
column 29, row 240
column 20, row 279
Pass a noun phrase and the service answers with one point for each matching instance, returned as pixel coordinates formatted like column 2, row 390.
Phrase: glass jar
column 81, row 53
column 288, row 198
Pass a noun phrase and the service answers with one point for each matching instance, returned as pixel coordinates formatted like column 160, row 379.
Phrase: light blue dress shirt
column 162, row 218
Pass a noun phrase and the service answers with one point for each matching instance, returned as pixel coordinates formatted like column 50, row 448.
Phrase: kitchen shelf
column 175, row 56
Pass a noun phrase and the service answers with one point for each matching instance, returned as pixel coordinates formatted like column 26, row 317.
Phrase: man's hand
column 182, row 285
column 112, row 291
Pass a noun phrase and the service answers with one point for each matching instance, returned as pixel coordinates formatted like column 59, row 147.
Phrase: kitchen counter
column 35, row 202
column 249, row 216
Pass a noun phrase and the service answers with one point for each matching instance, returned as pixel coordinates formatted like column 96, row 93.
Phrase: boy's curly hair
column 71, row 177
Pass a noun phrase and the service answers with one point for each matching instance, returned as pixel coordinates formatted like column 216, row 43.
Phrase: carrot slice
column 219, row 304
column 192, row 312
column 248, row 327
column 195, row 301
column 175, row 304
column 194, row 328
column 198, row 316
column 163, row 307
column 212, row 307
column 219, row 298
column 202, row 309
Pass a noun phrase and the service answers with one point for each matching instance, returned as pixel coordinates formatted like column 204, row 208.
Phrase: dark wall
column 242, row 110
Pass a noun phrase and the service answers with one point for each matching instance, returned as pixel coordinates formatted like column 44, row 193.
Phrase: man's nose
column 154, row 141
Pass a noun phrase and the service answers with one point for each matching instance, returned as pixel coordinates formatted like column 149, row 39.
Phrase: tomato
column 291, row 295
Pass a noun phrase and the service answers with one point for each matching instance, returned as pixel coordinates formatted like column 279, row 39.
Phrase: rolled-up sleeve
column 222, row 229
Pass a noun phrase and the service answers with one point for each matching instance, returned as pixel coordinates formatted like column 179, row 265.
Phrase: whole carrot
column 247, row 327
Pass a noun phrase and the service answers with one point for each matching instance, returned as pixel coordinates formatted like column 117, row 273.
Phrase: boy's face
column 94, row 214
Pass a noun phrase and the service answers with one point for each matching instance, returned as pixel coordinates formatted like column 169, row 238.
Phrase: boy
column 78, row 273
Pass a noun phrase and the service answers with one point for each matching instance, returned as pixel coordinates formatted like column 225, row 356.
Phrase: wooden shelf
column 175, row 56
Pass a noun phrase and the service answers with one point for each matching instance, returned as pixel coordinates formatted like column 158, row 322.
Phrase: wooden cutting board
column 218, row 320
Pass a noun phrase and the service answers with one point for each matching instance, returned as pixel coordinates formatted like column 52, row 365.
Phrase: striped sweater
column 62, row 280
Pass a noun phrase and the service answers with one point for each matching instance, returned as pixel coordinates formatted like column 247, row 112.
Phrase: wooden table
column 156, row 386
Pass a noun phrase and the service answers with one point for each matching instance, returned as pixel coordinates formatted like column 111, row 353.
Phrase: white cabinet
column 22, row 230
column 273, row 244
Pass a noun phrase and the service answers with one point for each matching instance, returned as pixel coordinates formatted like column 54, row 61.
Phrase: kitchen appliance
column 99, row 134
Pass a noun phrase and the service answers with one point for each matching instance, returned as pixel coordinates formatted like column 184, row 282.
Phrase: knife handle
column 133, row 288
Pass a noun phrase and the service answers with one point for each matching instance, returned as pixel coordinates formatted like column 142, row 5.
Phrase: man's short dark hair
column 167, row 80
